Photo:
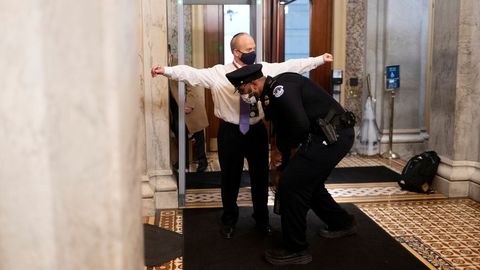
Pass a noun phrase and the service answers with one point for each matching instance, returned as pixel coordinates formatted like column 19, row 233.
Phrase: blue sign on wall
column 392, row 78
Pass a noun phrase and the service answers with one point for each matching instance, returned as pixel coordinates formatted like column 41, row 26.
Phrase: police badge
column 278, row 91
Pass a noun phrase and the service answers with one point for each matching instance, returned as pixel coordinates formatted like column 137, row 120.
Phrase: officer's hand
column 327, row 57
column 275, row 158
column 275, row 161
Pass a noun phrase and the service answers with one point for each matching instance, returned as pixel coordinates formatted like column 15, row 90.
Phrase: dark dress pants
column 233, row 147
column 199, row 146
column 302, row 187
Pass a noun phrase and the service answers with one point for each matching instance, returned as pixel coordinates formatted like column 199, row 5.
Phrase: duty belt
column 334, row 122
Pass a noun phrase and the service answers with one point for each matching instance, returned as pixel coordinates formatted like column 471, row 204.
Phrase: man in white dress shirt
column 234, row 144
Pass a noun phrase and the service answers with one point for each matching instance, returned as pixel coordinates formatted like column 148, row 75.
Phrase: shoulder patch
column 278, row 91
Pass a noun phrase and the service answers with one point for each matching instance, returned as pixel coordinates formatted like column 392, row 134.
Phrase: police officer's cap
column 245, row 74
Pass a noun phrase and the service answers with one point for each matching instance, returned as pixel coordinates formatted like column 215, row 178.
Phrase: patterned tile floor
column 443, row 233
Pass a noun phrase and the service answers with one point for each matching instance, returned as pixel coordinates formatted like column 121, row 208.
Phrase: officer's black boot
column 349, row 228
column 285, row 257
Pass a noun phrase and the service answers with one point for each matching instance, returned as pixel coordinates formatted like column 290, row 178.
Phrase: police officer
column 313, row 133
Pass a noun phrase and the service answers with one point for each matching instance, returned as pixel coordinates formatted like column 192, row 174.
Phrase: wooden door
column 320, row 35
column 321, row 39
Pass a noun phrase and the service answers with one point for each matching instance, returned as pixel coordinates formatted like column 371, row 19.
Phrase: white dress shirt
column 226, row 100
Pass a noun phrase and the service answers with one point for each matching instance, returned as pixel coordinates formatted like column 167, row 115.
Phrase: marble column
column 157, row 129
column 355, row 54
column 147, row 186
column 69, row 197
column 454, row 121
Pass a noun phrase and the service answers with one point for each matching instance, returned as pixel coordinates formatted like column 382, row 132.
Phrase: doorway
column 214, row 40
column 269, row 31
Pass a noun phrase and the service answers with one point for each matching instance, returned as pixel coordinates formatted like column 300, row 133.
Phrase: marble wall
column 468, row 83
column 444, row 76
column 396, row 37
column 454, row 121
column 69, row 193
column 172, row 15
column 355, row 54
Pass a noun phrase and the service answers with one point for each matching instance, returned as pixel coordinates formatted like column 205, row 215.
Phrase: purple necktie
column 244, row 122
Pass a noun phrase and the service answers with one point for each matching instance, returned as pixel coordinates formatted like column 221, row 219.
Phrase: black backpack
column 419, row 172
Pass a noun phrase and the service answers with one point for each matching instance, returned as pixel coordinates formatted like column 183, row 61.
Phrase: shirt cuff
column 319, row 60
column 167, row 71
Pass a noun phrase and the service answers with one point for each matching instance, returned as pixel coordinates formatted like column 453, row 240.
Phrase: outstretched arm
column 204, row 77
column 300, row 66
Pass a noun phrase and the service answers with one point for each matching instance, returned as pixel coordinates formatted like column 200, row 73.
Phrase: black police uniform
column 293, row 103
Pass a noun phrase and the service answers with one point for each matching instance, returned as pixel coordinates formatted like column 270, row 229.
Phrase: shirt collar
column 236, row 65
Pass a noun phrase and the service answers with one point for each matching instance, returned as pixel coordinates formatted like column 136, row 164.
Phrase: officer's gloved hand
column 275, row 162
column 275, row 179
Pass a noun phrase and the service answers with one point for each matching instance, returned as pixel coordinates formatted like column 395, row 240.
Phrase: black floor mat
column 371, row 248
column 161, row 245
column 338, row 176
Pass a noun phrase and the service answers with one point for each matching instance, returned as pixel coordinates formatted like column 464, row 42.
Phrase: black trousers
column 302, row 187
column 233, row 147
column 199, row 145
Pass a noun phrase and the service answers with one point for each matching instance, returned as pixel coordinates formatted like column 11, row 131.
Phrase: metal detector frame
column 256, row 6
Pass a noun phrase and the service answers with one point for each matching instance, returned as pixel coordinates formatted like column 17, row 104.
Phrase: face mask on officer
column 248, row 58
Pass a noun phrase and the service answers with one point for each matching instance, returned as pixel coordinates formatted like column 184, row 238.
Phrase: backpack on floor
column 418, row 173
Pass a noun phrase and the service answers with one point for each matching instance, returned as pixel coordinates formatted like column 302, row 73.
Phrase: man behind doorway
column 196, row 119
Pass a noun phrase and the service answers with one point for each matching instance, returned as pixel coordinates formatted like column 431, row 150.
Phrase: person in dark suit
column 313, row 133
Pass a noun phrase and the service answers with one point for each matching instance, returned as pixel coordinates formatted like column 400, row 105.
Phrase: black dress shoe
column 284, row 257
column 338, row 233
column 227, row 231
column 202, row 165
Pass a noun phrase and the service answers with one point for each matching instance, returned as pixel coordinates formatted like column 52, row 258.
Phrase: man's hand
column 187, row 109
column 157, row 70
column 327, row 57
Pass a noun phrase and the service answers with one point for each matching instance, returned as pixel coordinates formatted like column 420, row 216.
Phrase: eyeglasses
column 240, row 89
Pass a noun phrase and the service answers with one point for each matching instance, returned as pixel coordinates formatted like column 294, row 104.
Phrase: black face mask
column 248, row 58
